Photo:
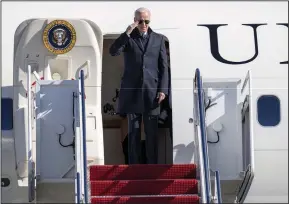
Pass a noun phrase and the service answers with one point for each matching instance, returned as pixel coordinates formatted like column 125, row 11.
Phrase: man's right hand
column 131, row 27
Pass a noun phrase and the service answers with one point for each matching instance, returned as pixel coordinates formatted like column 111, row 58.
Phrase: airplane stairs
column 149, row 183
column 144, row 184
column 139, row 183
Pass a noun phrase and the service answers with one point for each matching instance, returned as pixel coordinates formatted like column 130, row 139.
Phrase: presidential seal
column 59, row 37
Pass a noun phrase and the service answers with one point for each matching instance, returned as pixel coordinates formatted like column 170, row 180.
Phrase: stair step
column 180, row 199
column 142, row 171
column 144, row 187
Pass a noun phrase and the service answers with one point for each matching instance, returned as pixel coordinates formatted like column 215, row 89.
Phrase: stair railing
column 81, row 185
column 202, row 146
column 217, row 196
column 248, row 139
column 31, row 166
column 79, row 189
column 245, row 185
column 82, row 93
column 201, row 139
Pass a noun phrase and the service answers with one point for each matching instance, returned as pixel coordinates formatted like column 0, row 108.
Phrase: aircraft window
column 7, row 113
column 268, row 109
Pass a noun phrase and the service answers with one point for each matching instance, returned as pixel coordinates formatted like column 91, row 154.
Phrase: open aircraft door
column 48, row 53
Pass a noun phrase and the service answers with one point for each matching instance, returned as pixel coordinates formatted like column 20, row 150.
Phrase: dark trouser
column 134, row 138
column 125, row 150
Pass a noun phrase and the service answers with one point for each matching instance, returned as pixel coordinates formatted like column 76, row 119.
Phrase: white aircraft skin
column 187, row 25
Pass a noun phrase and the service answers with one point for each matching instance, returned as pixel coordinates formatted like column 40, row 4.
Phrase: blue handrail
column 78, row 187
column 218, row 185
column 203, row 133
column 84, row 136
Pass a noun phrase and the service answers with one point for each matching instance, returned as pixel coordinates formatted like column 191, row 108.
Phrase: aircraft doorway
column 115, row 127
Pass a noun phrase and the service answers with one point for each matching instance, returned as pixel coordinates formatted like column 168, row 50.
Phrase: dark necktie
column 144, row 38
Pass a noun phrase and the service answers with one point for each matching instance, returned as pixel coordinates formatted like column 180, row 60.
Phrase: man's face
column 144, row 20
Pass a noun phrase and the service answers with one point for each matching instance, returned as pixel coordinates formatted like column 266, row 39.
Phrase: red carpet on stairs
column 144, row 183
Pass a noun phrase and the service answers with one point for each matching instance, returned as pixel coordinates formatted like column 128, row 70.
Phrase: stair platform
column 144, row 183
column 144, row 187
column 142, row 171
column 179, row 199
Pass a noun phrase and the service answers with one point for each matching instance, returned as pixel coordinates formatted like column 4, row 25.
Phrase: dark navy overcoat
column 145, row 73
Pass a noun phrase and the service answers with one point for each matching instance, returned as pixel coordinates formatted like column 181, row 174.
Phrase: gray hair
column 141, row 10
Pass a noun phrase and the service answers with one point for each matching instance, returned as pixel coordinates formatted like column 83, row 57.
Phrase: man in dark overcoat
column 144, row 83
